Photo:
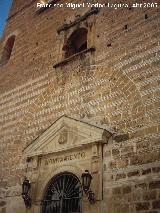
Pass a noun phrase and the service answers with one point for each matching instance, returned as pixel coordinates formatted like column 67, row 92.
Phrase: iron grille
column 63, row 195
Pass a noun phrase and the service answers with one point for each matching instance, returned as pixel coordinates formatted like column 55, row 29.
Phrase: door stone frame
column 65, row 139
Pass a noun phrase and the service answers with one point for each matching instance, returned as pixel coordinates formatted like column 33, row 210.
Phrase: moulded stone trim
column 77, row 134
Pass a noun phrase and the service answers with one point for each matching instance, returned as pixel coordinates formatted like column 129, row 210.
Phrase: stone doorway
column 67, row 148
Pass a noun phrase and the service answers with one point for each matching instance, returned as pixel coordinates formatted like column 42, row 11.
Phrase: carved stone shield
column 63, row 137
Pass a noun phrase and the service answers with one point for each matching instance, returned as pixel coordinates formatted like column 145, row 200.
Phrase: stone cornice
column 64, row 27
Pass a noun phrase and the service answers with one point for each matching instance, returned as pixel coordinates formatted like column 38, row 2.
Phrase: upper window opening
column 76, row 43
column 6, row 54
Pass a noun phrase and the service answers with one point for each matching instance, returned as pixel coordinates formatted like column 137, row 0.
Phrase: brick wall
column 116, row 86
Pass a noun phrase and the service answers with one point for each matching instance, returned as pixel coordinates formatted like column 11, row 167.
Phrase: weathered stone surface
column 126, row 189
column 142, row 206
column 150, row 195
column 134, row 173
column 120, row 176
column 156, row 169
column 156, row 204
column 154, row 185
column 146, row 171
column 2, row 203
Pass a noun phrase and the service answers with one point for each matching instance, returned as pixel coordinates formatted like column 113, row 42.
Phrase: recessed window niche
column 7, row 50
column 76, row 43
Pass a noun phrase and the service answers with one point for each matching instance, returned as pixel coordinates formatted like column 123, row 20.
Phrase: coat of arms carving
column 63, row 137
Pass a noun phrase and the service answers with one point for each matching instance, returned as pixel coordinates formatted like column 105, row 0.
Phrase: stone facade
column 104, row 100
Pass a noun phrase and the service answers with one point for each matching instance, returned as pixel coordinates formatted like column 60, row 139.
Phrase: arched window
column 63, row 194
column 6, row 54
column 76, row 43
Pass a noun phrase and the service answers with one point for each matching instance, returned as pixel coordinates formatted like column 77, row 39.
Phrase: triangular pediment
column 64, row 134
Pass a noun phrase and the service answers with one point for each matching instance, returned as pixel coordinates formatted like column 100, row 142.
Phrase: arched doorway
column 63, row 195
